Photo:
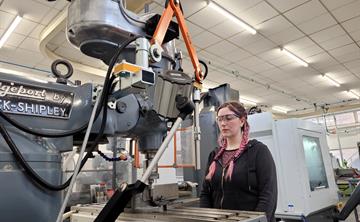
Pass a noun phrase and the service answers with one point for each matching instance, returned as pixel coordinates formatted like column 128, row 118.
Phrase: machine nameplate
column 24, row 99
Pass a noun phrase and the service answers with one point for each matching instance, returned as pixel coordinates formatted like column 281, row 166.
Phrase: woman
column 241, row 174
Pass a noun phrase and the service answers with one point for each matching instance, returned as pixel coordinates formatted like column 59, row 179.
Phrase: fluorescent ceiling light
column 231, row 16
column 279, row 109
column 10, row 30
column 23, row 74
column 294, row 57
column 331, row 80
column 353, row 93
column 248, row 101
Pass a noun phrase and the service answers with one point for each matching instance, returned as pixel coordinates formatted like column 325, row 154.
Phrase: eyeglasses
column 227, row 117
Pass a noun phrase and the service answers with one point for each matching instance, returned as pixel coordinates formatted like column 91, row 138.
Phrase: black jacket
column 253, row 186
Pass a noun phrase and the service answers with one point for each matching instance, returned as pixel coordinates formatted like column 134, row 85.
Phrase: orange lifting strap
column 161, row 29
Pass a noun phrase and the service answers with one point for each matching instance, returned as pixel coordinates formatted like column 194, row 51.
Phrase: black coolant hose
column 29, row 171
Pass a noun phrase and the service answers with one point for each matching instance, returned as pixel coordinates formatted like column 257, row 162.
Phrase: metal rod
column 161, row 150
column 338, row 140
column 81, row 154
column 142, row 52
column 197, row 128
column 113, row 148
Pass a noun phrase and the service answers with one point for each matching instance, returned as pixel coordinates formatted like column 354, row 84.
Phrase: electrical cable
column 30, row 172
column 126, row 15
column 206, row 68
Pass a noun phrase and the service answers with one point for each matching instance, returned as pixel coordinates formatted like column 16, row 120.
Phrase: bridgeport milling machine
column 40, row 120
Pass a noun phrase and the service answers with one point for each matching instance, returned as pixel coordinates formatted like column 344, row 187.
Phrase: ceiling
column 324, row 33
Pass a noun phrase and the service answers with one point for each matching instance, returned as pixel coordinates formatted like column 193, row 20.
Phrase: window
column 345, row 118
column 314, row 163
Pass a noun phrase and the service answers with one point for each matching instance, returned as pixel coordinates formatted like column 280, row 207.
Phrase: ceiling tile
column 157, row 9
column 353, row 64
column 348, row 56
column 226, row 29
column 5, row 19
column 352, row 24
column 260, row 46
column 328, row 34
column 344, row 50
column 286, row 36
column 222, row 48
column 280, row 61
column 271, row 54
column 37, row 31
column 258, row 14
column 236, row 55
column 205, row 18
column 336, row 69
column 27, row 58
column 334, row 4
column 193, row 29
column 191, row 6
column 309, row 51
column 275, row 74
column 238, row 70
column 260, row 67
column 318, row 23
column 25, row 27
column 30, row 44
column 273, row 25
column 322, row 60
column 299, row 44
column 244, row 38
column 216, row 60
column 336, row 42
column 348, row 79
column 338, row 75
column 205, row 39
column 282, row 5
column 311, row 9
column 252, row 61
column 356, row 36
column 15, row 39
column 347, row 12
column 237, row 6
column 32, row 10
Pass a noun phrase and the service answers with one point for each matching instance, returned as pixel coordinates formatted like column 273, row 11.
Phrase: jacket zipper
column 222, row 188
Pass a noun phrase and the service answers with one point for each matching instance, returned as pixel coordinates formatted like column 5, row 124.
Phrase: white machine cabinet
column 306, row 184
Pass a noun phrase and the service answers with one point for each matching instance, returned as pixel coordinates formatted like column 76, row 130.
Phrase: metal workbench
column 87, row 213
